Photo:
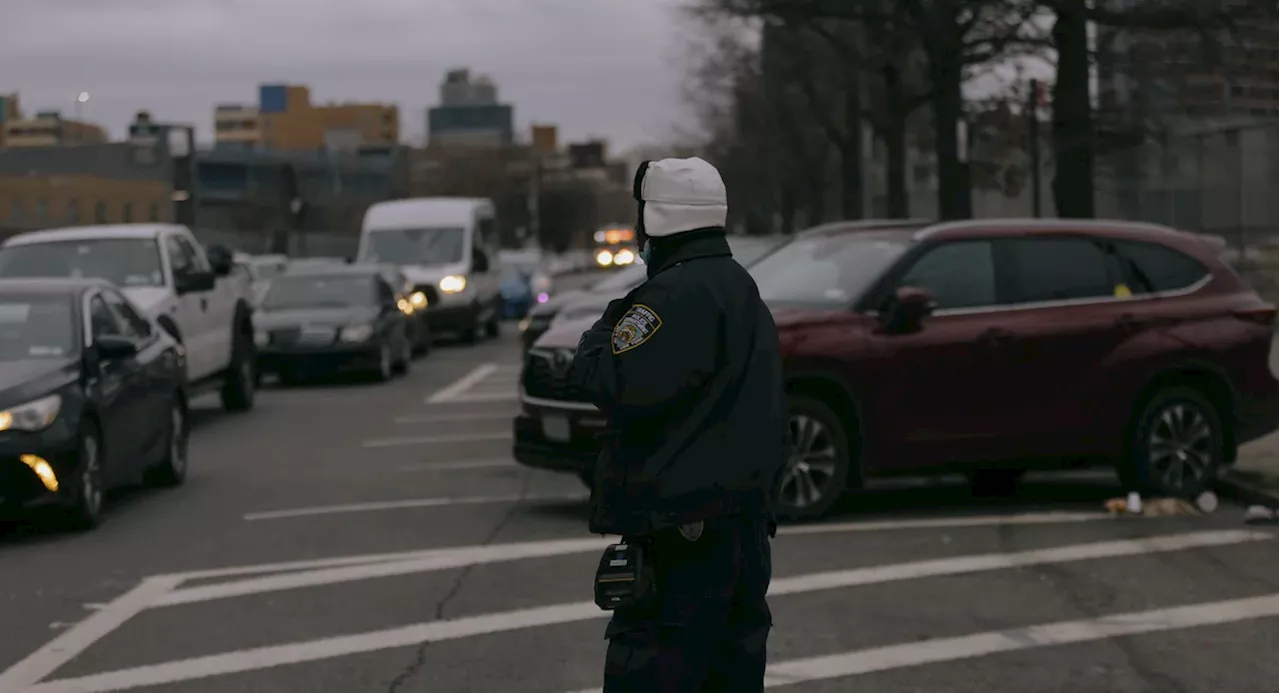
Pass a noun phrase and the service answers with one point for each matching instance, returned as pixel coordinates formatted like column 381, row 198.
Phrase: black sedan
column 327, row 319
column 91, row 397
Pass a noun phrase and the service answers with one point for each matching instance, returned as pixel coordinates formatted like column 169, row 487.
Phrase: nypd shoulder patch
column 635, row 328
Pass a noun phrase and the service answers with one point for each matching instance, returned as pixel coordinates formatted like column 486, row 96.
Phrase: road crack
column 420, row 654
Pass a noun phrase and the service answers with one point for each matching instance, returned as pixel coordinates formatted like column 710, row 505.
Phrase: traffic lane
column 901, row 609
column 380, row 600
column 53, row 578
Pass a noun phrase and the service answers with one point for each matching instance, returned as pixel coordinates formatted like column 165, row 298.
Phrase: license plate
column 555, row 427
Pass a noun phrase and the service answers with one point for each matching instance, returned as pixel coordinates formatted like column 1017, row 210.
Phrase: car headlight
column 604, row 258
column 624, row 257
column 419, row 299
column 356, row 333
column 32, row 416
column 261, row 338
column 452, row 284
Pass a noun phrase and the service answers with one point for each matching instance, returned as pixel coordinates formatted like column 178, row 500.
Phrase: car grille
column 547, row 377
column 312, row 336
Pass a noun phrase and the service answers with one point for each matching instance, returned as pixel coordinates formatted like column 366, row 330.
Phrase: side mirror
column 479, row 261
column 907, row 309
column 193, row 282
column 220, row 259
column 112, row 347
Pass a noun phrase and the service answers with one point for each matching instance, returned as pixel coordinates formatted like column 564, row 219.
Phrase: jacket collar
column 673, row 250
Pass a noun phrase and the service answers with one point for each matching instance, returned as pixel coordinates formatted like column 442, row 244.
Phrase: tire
column 405, row 362
column 89, row 492
column 239, row 383
column 820, row 458
column 1175, row 445
column 493, row 328
column 386, row 364
column 172, row 468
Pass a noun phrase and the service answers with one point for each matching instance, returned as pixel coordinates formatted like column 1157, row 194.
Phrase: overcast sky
column 596, row 67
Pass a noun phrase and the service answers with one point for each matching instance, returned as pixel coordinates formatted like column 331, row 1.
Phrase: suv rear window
column 1059, row 269
column 1153, row 268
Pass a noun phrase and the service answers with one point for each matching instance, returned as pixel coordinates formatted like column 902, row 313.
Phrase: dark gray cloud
column 595, row 67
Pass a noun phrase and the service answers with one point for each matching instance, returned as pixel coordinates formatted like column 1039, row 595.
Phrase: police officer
column 687, row 369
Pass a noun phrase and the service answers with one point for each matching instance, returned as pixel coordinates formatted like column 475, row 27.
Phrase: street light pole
column 81, row 99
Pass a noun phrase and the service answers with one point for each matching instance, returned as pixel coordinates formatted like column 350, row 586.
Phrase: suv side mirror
column 220, row 259
column 479, row 260
column 112, row 347
column 193, row 282
column 907, row 309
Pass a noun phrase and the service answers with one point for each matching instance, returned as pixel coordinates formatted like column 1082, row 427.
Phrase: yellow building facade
column 286, row 119
column 42, row 201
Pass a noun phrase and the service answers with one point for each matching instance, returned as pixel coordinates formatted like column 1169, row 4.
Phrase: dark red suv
column 992, row 347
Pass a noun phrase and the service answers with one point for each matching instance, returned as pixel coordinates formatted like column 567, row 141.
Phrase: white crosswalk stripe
column 33, row 675
column 489, row 382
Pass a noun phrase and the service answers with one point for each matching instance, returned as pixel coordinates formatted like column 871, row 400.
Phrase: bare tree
column 953, row 35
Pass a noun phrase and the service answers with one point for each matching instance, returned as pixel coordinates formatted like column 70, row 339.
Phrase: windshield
column 826, row 271
column 124, row 262
column 320, row 291
column 433, row 246
column 33, row 327
column 748, row 250
column 622, row 280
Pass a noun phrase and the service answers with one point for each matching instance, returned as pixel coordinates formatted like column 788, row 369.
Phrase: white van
column 446, row 246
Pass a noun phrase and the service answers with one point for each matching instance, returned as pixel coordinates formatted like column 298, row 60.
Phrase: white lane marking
column 443, row 560
column 923, row 652
column 485, row 624
column 436, row 440
column 403, row 504
column 383, row 565
column 490, row 397
column 67, row 646
column 456, row 466
column 857, row 526
column 455, row 418
column 462, row 384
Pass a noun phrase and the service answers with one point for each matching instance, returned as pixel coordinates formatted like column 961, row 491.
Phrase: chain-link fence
column 1220, row 181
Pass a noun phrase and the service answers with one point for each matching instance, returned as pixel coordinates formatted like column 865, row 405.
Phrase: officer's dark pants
column 708, row 627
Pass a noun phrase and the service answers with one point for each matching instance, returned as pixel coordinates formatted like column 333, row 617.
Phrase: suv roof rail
column 863, row 225
column 1045, row 224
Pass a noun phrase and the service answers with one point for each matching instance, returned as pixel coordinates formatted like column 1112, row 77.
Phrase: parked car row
column 985, row 347
column 108, row 332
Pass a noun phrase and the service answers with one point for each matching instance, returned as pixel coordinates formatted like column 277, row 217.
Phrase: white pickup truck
column 165, row 272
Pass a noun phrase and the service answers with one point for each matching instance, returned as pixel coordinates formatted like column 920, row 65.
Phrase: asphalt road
column 354, row 537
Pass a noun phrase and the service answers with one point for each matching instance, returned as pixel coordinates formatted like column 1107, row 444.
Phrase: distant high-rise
column 1180, row 75
column 469, row 113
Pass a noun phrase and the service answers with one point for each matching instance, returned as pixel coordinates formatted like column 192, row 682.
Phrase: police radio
column 624, row 578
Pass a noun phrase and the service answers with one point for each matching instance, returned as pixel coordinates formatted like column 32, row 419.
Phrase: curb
column 1247, row 489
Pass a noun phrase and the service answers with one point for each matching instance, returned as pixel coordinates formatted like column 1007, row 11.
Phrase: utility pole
column 1034, row 96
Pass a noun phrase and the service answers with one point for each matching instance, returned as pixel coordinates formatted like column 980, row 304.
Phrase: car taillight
column 1262, row 315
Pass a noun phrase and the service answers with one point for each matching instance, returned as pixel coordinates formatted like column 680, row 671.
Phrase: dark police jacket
column 686, row 368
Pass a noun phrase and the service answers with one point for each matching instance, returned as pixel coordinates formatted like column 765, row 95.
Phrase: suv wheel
column 1175, row 445
column 238, row 385
column 818, row 462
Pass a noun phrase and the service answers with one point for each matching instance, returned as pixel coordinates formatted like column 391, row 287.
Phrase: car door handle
column 996, row 336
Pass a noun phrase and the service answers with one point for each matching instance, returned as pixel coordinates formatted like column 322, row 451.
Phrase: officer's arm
column 660, row 349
